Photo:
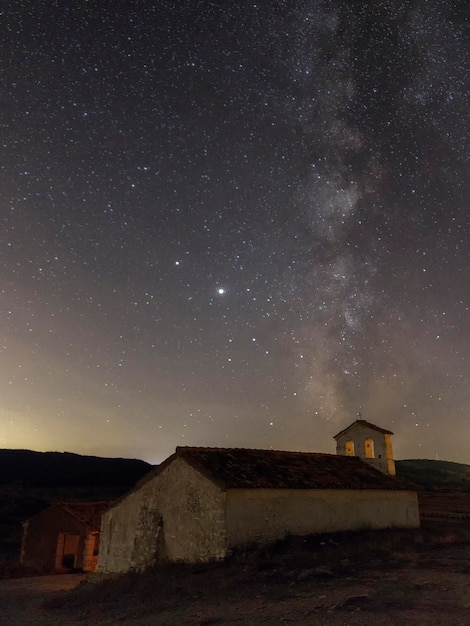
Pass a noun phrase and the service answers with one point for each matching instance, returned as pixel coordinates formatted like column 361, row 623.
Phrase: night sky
column 234, row 224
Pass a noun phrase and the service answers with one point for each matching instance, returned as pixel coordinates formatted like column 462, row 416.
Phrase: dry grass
column 250, row 572
column 351, row 578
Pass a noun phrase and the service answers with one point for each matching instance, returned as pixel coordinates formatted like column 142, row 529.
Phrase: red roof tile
column 87, row 512
column 239, row 468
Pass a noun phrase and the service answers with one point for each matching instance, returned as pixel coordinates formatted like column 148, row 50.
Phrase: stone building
column 370, row 443
column 201, row 503
column 63, row 537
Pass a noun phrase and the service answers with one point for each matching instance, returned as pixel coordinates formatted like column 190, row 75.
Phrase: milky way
column 235, row 224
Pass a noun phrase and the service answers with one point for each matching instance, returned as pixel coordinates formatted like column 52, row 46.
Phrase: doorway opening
column 67, row 550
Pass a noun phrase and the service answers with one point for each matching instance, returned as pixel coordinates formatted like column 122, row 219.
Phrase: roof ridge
column 268, row 450
column 246, row 468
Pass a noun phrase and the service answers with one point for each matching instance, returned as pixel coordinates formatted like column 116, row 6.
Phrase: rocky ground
column 331, row 581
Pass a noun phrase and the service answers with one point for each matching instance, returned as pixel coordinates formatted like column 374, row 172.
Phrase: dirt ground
column 21, row 598
column 325, row 583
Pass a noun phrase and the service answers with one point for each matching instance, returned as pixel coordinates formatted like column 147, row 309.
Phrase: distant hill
column 32, row 481
column 429, row 475
column 64, row 469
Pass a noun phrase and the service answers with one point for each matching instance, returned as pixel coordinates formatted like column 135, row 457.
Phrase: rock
column 305, row 573
column 323, row 570
column 357, row 601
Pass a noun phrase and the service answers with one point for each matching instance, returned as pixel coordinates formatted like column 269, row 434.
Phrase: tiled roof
column 367, row 425
column 239, row 468
column 87, row 512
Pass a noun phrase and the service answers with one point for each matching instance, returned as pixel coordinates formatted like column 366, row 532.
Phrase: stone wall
column 264, row 515
column 90, row 556
column 176, row 515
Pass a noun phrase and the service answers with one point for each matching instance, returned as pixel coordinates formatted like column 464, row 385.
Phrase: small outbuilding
column 202, row 503
column 63, row 537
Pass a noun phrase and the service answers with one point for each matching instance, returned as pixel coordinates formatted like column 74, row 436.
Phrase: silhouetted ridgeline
column 429, row 475
column 64, row 469
column 32, row 481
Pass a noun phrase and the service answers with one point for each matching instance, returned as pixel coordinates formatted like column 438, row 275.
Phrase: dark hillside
column 428, row 475
column 32, row 481
column 64, row 469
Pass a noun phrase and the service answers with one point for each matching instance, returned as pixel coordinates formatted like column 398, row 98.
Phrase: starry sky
column 234, row 224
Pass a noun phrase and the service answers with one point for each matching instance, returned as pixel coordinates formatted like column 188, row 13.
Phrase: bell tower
column 370, row 443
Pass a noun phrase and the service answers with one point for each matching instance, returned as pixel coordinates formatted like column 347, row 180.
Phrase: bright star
column 221, row 291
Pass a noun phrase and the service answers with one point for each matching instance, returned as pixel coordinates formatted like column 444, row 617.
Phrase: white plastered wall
column 270, row 514
column 383, row 453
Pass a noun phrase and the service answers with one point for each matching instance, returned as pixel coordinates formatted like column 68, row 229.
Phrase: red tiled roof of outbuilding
column 87, row 512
